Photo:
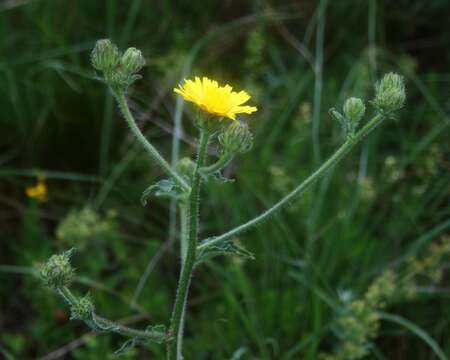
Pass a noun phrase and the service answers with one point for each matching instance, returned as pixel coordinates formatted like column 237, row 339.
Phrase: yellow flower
column 38, row 191
column 214, row 99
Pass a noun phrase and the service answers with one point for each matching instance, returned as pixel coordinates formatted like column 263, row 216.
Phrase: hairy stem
column 97, row 320
column 333, row 160
column 156, row 156
column 183, row 229
column 183, row 249
column 173, row 348
column 218, row 165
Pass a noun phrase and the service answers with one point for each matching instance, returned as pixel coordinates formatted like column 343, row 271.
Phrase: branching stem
column 155, row 155
column 218, row 165
column 333, row 160
column 96, row 320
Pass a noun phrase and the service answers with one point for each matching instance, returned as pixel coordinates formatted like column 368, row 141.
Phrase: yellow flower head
column 38, row 191
column 217, row 100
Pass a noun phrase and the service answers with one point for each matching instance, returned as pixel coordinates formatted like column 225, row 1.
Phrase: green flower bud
column 185, row 167
column 354, row 110
column 338, row 116
column 105, row 56
column 57, row 271
column 82, row 309
column 390, row 94
column 132, row 60
column 236, row 138
column 119, row 80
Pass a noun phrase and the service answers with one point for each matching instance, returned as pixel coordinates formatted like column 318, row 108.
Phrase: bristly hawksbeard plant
column 216, row 120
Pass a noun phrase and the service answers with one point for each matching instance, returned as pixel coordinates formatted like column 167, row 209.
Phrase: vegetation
column 355, row 268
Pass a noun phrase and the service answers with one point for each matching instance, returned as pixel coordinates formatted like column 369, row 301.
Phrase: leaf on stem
column 220, row 178
column 160, row 336
column 127, row 346
column 160, row 331
column 226, row 248
column 164, row 188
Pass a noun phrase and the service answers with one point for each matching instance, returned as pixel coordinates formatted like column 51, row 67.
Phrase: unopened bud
column 132, row 60
column 185, row 167
column 390, row 94
column 236, row 138
column 354, row 110
column 57, row 271
column 82, row 309
column 105, row 56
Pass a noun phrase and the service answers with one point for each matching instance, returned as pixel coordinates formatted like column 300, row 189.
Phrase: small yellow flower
column 38, row 191
column 217, row 100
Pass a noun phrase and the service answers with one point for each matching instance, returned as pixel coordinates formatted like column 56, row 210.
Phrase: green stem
column 176, row 326
column 67, row 295
column 333, row 160
column 217, row 166
column 123, row 106
column 183, row 229
column 71, row 299
column 184, row 218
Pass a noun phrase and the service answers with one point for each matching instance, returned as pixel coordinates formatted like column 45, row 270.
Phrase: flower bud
column 132, row 60
column 82, row 309
column 185, row 167
column 390, row 93
column 354, row 110
column 236, row 138
column 338, row 116
column 119, row 79
column 105, row 56
column 57, row 271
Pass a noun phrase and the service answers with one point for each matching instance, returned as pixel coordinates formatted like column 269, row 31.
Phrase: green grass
column 361, row 219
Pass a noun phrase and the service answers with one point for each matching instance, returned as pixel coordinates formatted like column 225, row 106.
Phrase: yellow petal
column 218, row 100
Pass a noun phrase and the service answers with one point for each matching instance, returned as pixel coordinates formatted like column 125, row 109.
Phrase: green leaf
column 159, row 332
column 164, row 188
column 220, row 178
column 417, row 331
column 226, row 248
column 239, row 353
column 127, row 346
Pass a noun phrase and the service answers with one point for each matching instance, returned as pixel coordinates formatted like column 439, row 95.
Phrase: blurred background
column 72, row 176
